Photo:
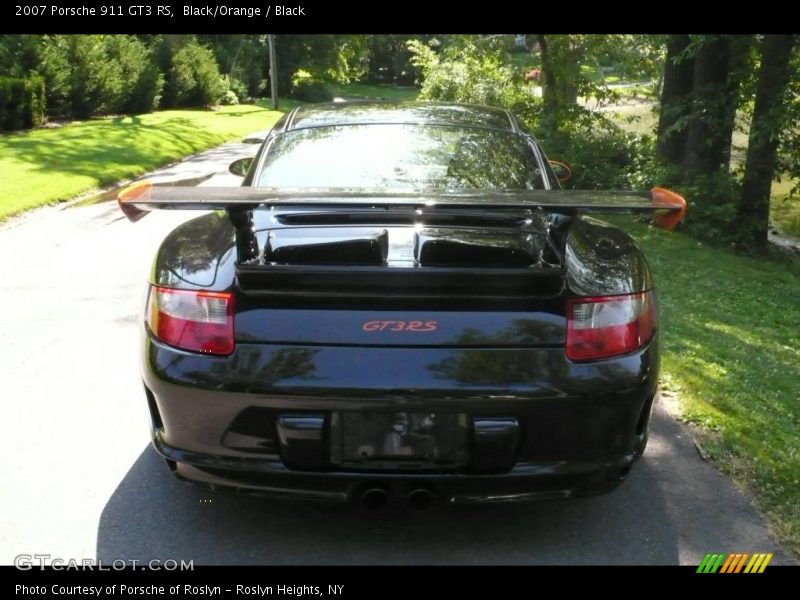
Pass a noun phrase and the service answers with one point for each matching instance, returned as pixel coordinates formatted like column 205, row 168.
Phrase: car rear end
column 347, row 345
column 365, row 362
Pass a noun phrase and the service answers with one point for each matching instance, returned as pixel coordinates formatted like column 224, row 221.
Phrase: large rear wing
column 140, row 198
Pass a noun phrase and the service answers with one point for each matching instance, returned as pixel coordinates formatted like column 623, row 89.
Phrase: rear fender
column 199, row 254
column 602, row 260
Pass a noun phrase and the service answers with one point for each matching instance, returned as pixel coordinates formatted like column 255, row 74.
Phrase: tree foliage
column 389, row 59
column 709, row 88
column 243, row 59
column 331, row 58
column 196, row 80
column 140, row 82
column 568, row 60
column 470, row 70
column 467, row 72
column 94, row 79
column 708, row 79
column 92, row 75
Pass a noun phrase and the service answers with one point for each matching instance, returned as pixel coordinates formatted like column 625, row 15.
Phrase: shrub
column 533, row 74
column 14, row 105
column 235, row 91
column 55, row 68
column 308, row 88
column 146, row 93
column 238, row 87
column 5, row 94
column 87, row 75
column 601, row 155
column 229, row 98
column 195, row 76
column 80, row 79
column 248, row 68
column 21, row 103
column 140, row 82
column 95, row 80
column 37, row 110
column 712, row 215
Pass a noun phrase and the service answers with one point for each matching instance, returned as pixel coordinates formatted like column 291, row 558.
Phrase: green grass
column 638, row 118
column 784, row 212
column 641, row 91
column 731, row 340
column 376, row 92
column 591, row 73
column 44, row 166
column 524, row 61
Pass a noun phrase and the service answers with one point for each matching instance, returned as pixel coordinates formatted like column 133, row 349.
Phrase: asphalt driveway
column 78, row 478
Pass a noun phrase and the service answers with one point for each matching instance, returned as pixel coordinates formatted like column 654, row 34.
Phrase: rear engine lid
column 402, row 286
column 403, row 267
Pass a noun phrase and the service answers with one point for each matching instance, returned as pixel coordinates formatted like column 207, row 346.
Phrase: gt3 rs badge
column 416, row 326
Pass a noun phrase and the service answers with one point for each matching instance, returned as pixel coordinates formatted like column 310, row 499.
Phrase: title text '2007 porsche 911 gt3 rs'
column 399, row 301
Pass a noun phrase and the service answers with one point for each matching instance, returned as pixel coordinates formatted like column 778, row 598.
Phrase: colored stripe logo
column 734, row 563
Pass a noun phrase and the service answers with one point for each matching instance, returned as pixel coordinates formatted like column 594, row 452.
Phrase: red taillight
column 192, row 320
column 608, row 325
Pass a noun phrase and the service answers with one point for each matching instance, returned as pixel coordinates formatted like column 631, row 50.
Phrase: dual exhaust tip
column 375, row 498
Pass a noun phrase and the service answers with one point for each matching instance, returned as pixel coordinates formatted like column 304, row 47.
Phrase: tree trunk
column 739, row 65
column 567, row 53
column 706, row 136
column 549, row 96
column 769, row 115
column 675, row 95
column 569, row 90
column 548, row 81
column 561, row 70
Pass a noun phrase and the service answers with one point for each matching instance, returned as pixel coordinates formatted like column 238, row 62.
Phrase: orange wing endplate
column 675, row 203
column 139, row 191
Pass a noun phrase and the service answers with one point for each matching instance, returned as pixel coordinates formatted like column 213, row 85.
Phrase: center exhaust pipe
column 420, row 499
column 374, row 498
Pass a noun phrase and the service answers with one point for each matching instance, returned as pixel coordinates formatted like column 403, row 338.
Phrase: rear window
column 414, row 157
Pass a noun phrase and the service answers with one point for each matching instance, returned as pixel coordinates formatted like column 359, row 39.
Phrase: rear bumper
column 524, row 482
column 580, row 426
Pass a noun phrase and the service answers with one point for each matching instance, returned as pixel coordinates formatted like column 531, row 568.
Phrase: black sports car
column 400, row 302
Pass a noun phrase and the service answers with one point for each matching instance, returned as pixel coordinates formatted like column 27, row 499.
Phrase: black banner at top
column 163, row 16
column 409, row 16
column 240, row 16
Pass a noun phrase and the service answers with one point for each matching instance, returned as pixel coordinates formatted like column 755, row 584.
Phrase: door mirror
column 255, row 138
column 562, row 170
column 241, row 166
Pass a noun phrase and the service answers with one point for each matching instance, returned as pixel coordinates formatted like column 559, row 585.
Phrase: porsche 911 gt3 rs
column 400, row 302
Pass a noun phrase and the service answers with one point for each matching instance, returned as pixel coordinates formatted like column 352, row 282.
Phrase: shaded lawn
column 639, row 119
column 525, row 61
column 731, row 340
column 43, row 166
column 784, row 212
column 375, row 91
